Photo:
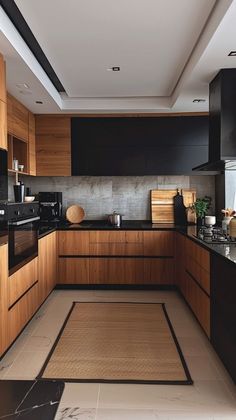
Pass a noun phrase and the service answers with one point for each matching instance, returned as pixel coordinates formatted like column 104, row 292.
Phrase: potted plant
column 201, row 207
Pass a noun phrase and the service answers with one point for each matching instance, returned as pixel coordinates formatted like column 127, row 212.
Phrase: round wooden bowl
column 75, row 214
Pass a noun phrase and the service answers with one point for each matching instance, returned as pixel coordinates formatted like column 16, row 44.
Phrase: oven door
column 23, row 242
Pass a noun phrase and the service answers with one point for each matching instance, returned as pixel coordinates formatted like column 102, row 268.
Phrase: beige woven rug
column 117, row 342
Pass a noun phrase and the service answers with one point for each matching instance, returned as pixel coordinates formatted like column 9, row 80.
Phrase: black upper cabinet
column 138, row 145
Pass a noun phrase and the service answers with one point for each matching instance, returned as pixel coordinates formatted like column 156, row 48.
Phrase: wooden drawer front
column 199, row 302
column 199, row 254
column 116, row 271
column 22, row 311
column 3, row 125
column 73, row 243
column 159, row 243
column 116, row 248
column 158, row 271
column 200, row 274
column 126, row 237
column 21, row 280
column 73, row 270
column 18, row 115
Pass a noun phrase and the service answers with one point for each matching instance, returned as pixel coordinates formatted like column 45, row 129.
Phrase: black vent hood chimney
column 222, row 123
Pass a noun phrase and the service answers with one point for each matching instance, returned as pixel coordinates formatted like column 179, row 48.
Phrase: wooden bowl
column 75, row 214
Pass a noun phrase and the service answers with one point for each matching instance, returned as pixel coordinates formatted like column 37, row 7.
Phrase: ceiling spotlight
column 232, row 54
column 199, row 100
column 39, row 102
column 115, row 68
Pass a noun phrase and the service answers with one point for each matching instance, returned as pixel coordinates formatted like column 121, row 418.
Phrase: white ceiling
column 168, row 52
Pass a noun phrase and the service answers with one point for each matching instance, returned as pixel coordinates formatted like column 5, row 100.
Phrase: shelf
column 19, row 172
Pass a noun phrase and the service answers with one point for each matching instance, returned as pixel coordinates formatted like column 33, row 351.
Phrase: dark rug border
column 188, row 381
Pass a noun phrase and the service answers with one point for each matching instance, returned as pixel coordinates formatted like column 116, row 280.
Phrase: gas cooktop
column 214, row 235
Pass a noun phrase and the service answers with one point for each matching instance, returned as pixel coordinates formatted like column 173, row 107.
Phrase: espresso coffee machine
column 50, row 206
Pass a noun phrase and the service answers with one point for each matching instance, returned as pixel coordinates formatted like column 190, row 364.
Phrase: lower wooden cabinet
column 47, row 255
column 4, row 330
column 115, row 270
column 21, row 281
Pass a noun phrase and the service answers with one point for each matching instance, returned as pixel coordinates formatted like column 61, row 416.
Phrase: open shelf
column 17, row 149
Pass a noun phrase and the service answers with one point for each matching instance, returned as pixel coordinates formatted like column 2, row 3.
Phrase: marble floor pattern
column 212, row 397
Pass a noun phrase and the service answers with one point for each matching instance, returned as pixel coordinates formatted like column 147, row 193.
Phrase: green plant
column 201, row 206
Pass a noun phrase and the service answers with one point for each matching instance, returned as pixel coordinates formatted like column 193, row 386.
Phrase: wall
column 130, row 196
column 230, row 189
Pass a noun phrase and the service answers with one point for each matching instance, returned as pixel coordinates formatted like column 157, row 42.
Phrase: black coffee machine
column 50, row 206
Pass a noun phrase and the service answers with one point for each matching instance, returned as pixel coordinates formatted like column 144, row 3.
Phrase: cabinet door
column 31, row 149
column 3, row 93
column 116, row 271
column 18, row 114
column 159, row 271
column 47, row 255
column 22, row 280
column 4, row 335
column 3, row 125
column 73, row 270
column 73, row 243
column 53, row 145
column 158, row 243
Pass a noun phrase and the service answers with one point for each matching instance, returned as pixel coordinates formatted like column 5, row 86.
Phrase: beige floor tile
column 202, row 368
column 27, row 365
column 80, row 395
column 112, row 414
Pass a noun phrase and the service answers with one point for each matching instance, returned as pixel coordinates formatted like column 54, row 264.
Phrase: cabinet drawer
column 199, row 254
column 73, row 243
column 116, row 248
column 73, row 270
column 199, row 302
column 158, row 243
column 22, row 311
column 22, row 280
column 116, row 271
column 201, row 275
column 158, row 271
column 127, row 237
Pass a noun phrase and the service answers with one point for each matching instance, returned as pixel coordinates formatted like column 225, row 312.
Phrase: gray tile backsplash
column 130, row 196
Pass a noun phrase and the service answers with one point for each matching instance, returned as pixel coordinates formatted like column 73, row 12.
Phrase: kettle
column 115, row 219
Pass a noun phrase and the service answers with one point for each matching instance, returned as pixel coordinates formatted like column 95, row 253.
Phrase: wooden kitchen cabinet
column 116, row 271
column 18, row 119
column 53, row 145
column 73, row 270
column 158, row 243
column 73, row 242
column 4, row 326
column 116, row 243
column 47, row 255
column 3, row 125
column 22, row 280
column 158, row 271
column 3, row 93
column 31, row 148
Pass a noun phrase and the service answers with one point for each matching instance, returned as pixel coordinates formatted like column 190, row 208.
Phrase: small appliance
column 50, row 206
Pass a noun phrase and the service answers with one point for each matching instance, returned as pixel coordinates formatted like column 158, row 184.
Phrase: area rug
column 117, row 342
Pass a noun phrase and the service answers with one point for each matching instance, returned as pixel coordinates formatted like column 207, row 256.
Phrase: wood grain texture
column 116, row 341
column 199, row 254
column 116, row 271
column 162, row 205
column 47, row 256
column 75, row 214
column 53, row 145
column 4, row 327
column 31, row 148
column 22, row 311
column 112, row 248
column 3, row 93
column 158, row 243
column 3, row 125
column 199, row 302
column 73, row 243
column 125, row 237
column 18, row 118
column 158, row 271
column 21, row 280
column 73, row 270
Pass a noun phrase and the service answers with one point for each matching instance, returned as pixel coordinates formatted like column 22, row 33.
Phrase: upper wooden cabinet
column 3, row 106
column 31, row 149
column 3, row 93
column 4, row 339
column 53, row 145
column 18, row 118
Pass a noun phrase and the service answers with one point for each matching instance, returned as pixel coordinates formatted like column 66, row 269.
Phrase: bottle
column 225, row 224
column 15, row 164
column 232, row 227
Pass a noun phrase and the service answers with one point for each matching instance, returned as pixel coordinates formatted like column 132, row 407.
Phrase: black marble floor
column 33, row 400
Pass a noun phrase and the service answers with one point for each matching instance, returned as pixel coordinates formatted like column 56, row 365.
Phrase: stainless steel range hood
column 222, row 123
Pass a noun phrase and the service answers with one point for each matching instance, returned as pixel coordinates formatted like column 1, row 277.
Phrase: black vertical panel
column 138, row 146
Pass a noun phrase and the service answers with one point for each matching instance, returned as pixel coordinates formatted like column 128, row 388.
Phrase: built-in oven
column 23, row 223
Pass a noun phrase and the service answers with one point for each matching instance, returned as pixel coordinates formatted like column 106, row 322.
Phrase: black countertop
column 227, row 251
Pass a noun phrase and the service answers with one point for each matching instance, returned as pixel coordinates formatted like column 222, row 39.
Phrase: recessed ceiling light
column 114, row 68
column 199, row 100
column 232, row 54
column 39, row 102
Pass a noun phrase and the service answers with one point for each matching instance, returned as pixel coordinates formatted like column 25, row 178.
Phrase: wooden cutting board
column 75, row 214
column 162, row 205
